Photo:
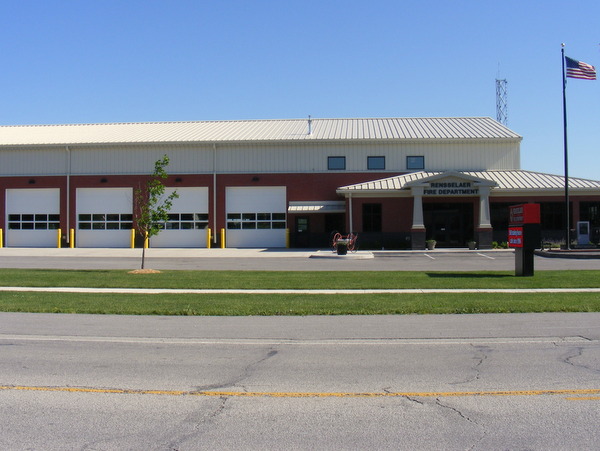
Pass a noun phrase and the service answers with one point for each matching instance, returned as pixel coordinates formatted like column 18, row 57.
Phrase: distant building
column 395, row 181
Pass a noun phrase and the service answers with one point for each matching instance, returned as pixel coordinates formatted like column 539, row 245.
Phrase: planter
column 430, row 244
column 341, row 247
column 472, row 245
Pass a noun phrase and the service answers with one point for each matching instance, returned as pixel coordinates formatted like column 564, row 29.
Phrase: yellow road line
column 584, row 398
column 580, row 392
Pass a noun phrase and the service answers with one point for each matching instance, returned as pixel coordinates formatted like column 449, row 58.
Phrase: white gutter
column 214, row 235
column 68, row 231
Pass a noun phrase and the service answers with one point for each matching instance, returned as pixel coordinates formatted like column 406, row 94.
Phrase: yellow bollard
column 287, row 238
column 72, row 238
column 222, row 238
column 58, row 237
column 132, row 239
column 1, row 241
column 208, row 237
column 146, row 241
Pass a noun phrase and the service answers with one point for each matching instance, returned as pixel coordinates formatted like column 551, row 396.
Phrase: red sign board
column 515, row 237
column 525, row 214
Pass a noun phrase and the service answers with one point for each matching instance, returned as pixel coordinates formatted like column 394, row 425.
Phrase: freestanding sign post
column 524, row 235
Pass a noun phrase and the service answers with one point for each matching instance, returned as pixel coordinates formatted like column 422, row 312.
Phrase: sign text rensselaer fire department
column 451, row 188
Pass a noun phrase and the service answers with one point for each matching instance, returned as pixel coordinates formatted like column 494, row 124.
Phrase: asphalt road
column 479, row 382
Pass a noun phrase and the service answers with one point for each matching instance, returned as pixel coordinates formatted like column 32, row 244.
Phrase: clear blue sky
column 75, row 61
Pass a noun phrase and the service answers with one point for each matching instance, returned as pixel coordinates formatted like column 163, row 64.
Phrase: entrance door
column 451, row 225
column 302, row 231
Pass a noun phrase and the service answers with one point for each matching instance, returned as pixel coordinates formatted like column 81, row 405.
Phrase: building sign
column 524, row 230
column 451, row 189
column 515, row 237
column 525, row 214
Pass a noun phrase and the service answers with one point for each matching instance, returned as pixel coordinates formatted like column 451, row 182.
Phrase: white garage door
column 104, row 217
column 33, row 217
column 256, row 216
column 188, row 220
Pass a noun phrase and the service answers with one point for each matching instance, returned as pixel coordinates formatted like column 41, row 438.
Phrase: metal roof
column 506, row 181
column 258, row 130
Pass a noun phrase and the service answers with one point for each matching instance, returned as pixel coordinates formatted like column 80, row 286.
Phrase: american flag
column 579, row 69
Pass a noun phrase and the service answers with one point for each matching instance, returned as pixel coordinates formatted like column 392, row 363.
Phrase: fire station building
column 272, row 183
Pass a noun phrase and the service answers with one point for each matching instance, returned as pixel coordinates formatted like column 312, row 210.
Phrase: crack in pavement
column 480, row 358
column 244, row 374
column 463, row 416
column 410, row 398
column 199, row 427
column 466, row 418
column 576, row 353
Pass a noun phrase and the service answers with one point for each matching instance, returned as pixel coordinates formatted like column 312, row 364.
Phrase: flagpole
column 567, row 213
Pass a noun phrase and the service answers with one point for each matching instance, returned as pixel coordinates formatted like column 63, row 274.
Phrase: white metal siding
column 313, row 157
column 140, row 160
column 103, row 201
column 261, row 158
column 191, row 201
column 31, row 162
column 31, row 202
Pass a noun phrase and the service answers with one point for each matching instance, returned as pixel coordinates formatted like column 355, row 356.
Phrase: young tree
column 152, row 206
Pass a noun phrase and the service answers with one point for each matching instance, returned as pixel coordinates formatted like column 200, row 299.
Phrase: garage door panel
column 188, row 219
column 104, row 217
column 256, row 238
column 32, row 217
column 256, row 216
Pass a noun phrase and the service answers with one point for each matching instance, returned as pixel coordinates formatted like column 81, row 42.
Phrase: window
column 415, row 162
column 371, row 215
column 376, row 163
column 590, row 211
column 185, row 221
column 105, row 221
column 33, row 222
column 336, row 163
column 252, row 221
column 552, row 215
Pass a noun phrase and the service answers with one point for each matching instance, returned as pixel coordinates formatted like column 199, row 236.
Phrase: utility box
column 524, row 236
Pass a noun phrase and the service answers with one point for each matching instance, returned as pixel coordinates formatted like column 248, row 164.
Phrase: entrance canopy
column 514, row 183
column 472, row 188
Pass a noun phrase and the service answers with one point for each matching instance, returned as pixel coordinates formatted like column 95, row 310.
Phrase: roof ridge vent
column 309, row 125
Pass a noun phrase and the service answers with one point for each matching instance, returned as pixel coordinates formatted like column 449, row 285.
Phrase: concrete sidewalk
column 154, row 252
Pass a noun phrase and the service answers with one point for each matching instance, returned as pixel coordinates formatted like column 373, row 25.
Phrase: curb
column 580, row 255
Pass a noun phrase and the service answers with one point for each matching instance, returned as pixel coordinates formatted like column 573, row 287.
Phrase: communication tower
column 501, row 103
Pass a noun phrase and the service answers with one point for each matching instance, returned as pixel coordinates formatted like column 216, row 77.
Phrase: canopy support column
column 417, row 231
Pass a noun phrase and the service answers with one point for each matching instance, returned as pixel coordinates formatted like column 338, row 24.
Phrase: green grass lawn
column 296, row 279
column 297, row 304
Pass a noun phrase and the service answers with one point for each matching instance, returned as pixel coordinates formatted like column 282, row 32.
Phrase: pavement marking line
column 486, row 256
column 589, row 391
column 583, row 398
